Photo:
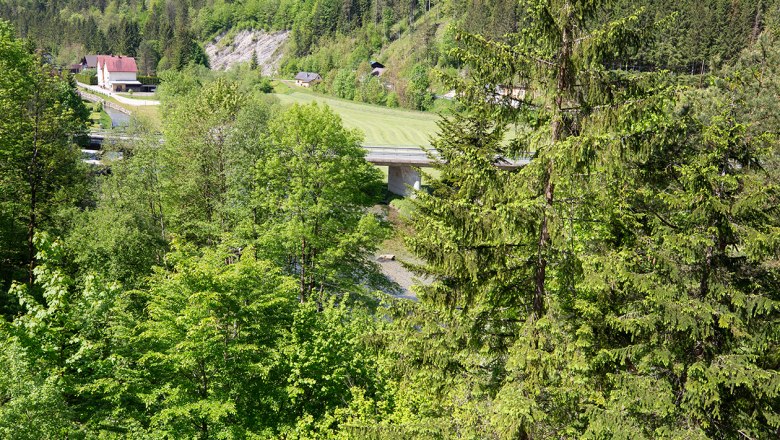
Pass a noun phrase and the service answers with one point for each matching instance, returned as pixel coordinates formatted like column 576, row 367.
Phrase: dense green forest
column 221, row 282
column 337, row 38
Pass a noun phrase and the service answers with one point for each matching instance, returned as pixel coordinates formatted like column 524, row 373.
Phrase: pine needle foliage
column 683, row 292
column 618, row 285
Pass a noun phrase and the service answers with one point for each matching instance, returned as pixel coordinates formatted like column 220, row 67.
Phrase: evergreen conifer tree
column 681, row 292
column 505, row 245
column 629, row 270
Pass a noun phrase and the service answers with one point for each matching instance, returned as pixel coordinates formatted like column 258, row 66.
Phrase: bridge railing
column 403, row 155
column 399, row 150
column 420, row 156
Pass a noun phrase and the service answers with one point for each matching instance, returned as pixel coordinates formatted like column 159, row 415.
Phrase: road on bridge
column 380, row 155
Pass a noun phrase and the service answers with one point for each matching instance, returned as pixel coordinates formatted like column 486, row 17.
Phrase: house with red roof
column 117, row 73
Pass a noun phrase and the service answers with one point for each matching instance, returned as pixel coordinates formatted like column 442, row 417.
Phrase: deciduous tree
column 40, row 170
column 314, row 188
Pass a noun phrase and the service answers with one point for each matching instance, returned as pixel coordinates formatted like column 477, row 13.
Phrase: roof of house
column 118, row 64
column 90, row 60
column 307, row 76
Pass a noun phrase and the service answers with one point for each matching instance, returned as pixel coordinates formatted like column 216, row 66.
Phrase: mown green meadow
column 381, row 125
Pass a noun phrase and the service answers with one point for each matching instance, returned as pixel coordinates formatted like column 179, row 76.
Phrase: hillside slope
column 381, row 126
column 228, row 50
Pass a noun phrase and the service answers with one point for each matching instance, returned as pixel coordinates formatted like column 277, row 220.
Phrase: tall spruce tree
column 624, row 283
column 504, row 245
column 681, row 290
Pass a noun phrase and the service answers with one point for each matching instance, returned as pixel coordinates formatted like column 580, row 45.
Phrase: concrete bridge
column 402, row 162
column 98, row 138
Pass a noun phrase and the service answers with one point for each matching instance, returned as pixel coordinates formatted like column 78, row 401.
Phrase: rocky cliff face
column 225, row 51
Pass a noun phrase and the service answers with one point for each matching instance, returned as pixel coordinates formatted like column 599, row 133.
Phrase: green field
column 381, row 125
column 141, row 97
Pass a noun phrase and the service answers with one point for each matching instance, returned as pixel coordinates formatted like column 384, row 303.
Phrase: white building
column 306, row 79
column 117, row 73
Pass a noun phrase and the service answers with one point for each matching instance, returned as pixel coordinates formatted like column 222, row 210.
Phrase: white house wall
column 105, row 77
column 122, row 76
column 101, row 75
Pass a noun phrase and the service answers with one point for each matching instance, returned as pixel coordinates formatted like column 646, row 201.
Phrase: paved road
column 389, row 155
column 122, row 99
column 381, row 155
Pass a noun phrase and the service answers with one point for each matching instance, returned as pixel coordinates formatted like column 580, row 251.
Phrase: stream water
column 118, row 119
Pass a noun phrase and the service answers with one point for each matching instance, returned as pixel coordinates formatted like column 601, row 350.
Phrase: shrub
column 418, row 95
column 265, row 86
column 371, row 91
column 405, row 207
column 344, row 84
column 392, row 100
column 148, row 80
column 86, row 78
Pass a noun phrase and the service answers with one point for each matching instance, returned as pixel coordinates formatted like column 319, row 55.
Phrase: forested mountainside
column 598, row 247
column 338, row 38
column 167, row 34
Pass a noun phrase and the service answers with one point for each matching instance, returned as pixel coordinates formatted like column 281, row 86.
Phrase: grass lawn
column 147, row 114
column 98, row 119
column 142, row 97
column 381, row 125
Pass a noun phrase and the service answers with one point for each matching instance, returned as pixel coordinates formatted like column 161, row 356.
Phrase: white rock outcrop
column 267, row 45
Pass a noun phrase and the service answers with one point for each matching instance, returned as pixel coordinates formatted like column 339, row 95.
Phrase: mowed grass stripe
column 381, row 125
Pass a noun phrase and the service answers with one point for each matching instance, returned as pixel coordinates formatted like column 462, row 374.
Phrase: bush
column 405, row 207
column 371, row 91
column 418, row 95
column 148, row 80
column 86, row 78
column 265, row 86
column 392, row 100
column 344, row 84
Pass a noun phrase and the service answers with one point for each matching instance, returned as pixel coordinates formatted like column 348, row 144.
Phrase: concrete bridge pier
column 399, row 176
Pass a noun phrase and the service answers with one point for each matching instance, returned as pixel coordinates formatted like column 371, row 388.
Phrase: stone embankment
column 106, row 104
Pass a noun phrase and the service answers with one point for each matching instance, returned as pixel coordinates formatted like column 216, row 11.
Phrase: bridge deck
column 418, row 157
column 380, row 155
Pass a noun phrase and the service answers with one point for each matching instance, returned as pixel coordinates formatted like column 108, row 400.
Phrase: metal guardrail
column 383, row 155
column 417, row 156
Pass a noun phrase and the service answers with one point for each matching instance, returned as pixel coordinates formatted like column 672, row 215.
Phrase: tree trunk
column 412, row 4
column 544, row 238
column 302, row 263
column 756, row 24
column 31, row 236
column 32, row 176
column 563, row 84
